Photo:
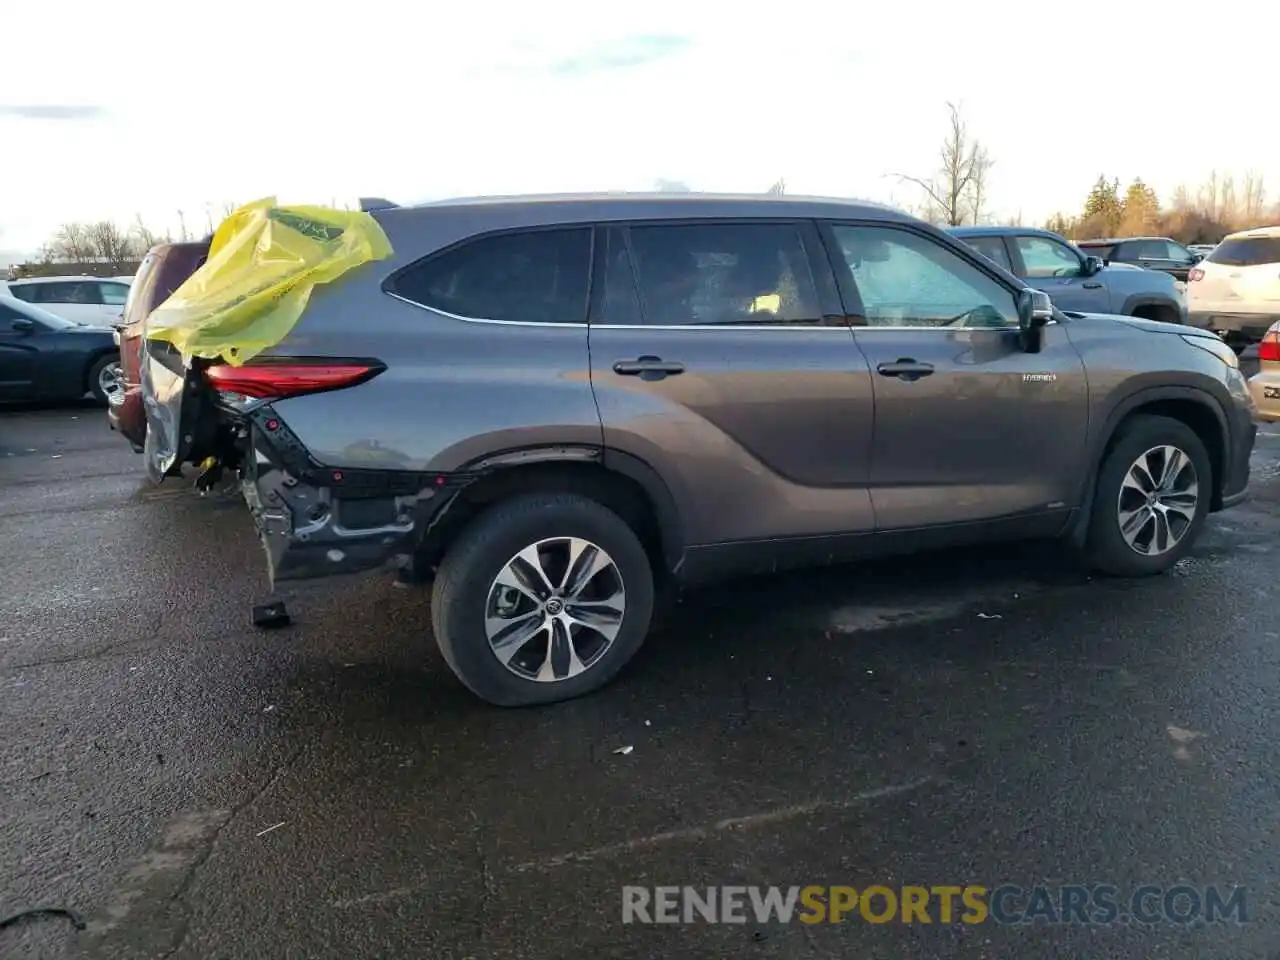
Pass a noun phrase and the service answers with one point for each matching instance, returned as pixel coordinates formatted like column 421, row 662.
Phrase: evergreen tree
column 1103, row 205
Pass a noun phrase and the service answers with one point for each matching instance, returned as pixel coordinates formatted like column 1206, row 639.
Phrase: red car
column 162, row 271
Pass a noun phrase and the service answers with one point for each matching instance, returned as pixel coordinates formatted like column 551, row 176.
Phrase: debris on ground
column 990, row 616
column 274, row 826
column 624, row 750
column 269, row 616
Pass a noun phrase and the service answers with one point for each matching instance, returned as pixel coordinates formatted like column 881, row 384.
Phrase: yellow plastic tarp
column 264, row 261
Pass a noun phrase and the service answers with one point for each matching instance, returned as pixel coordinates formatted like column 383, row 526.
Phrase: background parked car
column 162, row 271
column 46, row 357
column 96, row 300
column 1150, row 253
column 1203, row 249
column 1236, row 289
column 1265, row 384
column 1075, row 280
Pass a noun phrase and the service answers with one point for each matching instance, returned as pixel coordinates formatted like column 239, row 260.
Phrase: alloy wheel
column 1158, row 500
column 555, row 609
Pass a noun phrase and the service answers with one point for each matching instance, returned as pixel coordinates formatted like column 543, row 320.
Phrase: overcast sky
column 108, row 110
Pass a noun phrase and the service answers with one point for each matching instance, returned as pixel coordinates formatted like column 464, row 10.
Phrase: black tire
column 1105, row 548
column 95, row 372
column 460, row 593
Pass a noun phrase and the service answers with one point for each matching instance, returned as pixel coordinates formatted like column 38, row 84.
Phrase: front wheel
column 1151, row 498
column 106, row 380
column 543, row 598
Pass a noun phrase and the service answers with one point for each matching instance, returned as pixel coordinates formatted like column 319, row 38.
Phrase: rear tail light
column 277, row 379
column 1269, row 348
column 1195, row 273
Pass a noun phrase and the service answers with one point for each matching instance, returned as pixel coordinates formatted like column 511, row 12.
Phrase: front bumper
column 1241, row 434
column 129, row 418
column 319, row 521
column 1249, row 325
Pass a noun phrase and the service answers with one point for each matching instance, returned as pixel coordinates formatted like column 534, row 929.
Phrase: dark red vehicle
column 162, row 271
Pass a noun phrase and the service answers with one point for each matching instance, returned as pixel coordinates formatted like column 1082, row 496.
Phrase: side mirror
column 1092, row 265
column 1035, row 310
column 1197, row 257
column 23, row 325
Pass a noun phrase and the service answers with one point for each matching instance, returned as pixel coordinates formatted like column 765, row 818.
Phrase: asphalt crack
column 178, row 898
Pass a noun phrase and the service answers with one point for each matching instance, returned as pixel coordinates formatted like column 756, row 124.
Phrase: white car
column 1235, row 290
column 95, row 301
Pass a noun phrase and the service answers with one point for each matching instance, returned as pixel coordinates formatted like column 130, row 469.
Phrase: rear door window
column 1246, row 252
column 992, row 248
column 30, row 292
column 78, row 292
column 718, row 274
column 537, row 276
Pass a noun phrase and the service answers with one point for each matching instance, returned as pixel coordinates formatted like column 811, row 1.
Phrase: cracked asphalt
column 196, row 788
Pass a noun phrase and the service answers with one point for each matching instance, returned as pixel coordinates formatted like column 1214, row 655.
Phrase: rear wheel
column 106, row 380
column 1151, row 498
column 543, row 597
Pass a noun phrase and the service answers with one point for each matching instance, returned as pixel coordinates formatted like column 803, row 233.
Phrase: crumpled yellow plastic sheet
column 264, row 261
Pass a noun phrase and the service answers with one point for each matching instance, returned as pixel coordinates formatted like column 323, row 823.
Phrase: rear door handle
column 1093, row 285
column 905, row 368
column 648, row 368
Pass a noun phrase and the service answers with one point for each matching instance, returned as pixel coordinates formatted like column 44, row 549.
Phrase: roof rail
column 369, row 204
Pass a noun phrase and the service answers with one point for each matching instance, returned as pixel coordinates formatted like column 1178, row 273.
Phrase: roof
column 1255, row 232
column 623, row 205
column 1000, row 232
column 1085, row 243
column 73, row 278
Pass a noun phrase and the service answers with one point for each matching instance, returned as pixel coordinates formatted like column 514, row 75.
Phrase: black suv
column 553, row 407
column 1150, row 253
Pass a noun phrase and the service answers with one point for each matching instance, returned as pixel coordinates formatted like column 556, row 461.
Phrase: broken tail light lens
column 282, row 378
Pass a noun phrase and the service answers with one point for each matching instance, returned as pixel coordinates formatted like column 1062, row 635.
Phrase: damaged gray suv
column 555, row 407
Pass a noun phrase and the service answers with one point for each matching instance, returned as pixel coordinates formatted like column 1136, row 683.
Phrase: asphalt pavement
column 197, row 788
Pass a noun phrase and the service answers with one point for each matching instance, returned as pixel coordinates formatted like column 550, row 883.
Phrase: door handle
column 648, row 368
column 905, row 368
column 1093, row 285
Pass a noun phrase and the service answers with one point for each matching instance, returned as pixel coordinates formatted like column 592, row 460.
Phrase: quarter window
column 531, row 277
column 907, row 280
column 1043, row 257
column 724, row 274
column 114, row 294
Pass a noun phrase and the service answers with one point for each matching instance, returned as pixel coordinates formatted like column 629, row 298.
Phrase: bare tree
column 1253, row 207
column 184, row 235
column 950, row 190
column 778, row 188
column 70, row 244
column 982, row 164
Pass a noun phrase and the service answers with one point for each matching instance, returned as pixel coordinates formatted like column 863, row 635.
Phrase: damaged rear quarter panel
column 443, row 403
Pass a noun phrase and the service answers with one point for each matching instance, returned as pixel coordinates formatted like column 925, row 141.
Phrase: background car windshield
column 1246, row 252
column 32, row 312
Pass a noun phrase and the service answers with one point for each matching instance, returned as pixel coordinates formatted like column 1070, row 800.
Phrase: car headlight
column 1216, row 347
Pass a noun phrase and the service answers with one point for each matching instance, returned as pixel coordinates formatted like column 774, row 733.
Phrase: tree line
column 955, row 194
column 116, row 245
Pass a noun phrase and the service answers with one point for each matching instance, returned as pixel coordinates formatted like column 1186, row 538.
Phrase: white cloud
column 421, row 101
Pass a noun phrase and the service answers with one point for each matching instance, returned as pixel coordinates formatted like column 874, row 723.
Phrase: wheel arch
column 620, row 481
column 1196, row 408
column 1137, row 301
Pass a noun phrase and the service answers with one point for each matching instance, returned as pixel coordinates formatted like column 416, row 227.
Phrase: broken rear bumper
column 320, row 521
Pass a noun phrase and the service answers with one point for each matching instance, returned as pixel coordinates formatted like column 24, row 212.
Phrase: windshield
column 32, row 312
column 1246, row 251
